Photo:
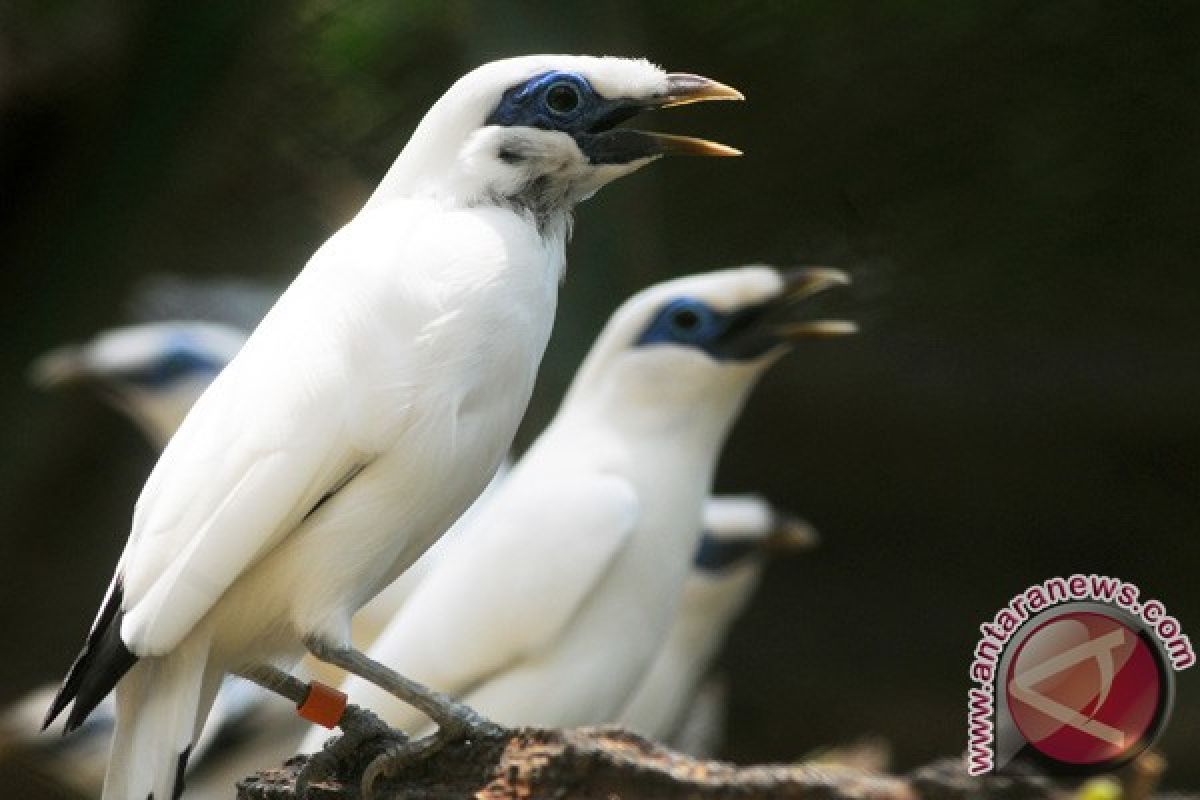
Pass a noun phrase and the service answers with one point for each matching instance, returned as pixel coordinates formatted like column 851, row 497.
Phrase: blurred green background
column 1014, row 186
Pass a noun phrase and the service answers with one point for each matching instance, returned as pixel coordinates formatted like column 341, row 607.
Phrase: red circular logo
column 1084, row 689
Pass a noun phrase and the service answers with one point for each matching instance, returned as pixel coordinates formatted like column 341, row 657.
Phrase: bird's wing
column 513, row 582
column 280, row 429
column 221, row 496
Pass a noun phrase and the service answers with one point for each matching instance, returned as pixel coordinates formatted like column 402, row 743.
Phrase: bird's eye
column 685, row 320
column 563, row 98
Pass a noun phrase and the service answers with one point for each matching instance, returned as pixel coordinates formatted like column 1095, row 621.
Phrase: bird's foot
column 463, row 724
column 341, row 754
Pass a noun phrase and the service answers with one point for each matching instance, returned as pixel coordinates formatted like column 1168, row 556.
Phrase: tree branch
column 603, row 763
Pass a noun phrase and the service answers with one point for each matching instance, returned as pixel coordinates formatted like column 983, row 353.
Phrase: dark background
column 1014, row 186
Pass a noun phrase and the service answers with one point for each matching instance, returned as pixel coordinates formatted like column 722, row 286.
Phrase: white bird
column 739, row 532
column 363, row 415
column 154, row 372
column 549, row 610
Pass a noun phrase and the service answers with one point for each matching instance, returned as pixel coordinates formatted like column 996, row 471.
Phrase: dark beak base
column 757, row 330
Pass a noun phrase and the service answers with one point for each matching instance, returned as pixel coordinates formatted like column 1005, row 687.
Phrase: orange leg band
column 324, row 705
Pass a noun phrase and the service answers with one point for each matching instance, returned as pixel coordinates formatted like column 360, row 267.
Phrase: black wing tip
column 57, row 705
column 70, row 686
column 110, row 660
column 96, row 670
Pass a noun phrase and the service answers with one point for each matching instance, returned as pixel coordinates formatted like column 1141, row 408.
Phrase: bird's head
column 696, row 345
column 741, row 530
column 153, row 373
column 540, row 132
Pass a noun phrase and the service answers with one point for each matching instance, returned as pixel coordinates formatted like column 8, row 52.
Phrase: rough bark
column 604, row 763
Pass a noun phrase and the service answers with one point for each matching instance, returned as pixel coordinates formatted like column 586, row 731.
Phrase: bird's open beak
column 684, row 89
column 66, row 367
column 606, row 144
column 803, row 283
column 60, row 367
column 764, row 327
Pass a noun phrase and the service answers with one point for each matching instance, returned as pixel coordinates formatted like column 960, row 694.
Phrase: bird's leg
column 358, row 725
column 276, row 680
column 454, row 720
column 457, row 719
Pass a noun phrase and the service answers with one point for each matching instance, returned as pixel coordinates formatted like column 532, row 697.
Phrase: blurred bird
column 364, row 414
column 153, row 372
column 552, row 607
column 739, row 532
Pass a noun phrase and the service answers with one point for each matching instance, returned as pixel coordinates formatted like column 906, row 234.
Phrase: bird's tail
column 161, row 706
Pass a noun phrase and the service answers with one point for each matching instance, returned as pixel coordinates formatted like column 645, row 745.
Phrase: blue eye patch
column 685, row 321
column 741, row 335
column 179, row 359
column 560, row 101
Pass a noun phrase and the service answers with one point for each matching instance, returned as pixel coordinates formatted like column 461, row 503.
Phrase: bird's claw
column 339, row 755
column 396, row 756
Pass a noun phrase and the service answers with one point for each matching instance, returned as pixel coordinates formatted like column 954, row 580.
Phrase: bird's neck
column 470, row 179
column 648, row 398
column 547, row 209
column 695, row 432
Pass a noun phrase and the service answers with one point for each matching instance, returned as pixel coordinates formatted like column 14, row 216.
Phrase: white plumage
column 366, row 411
column 155, row 371
column 549, row 609
column 387, row 344
column 383, row 348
